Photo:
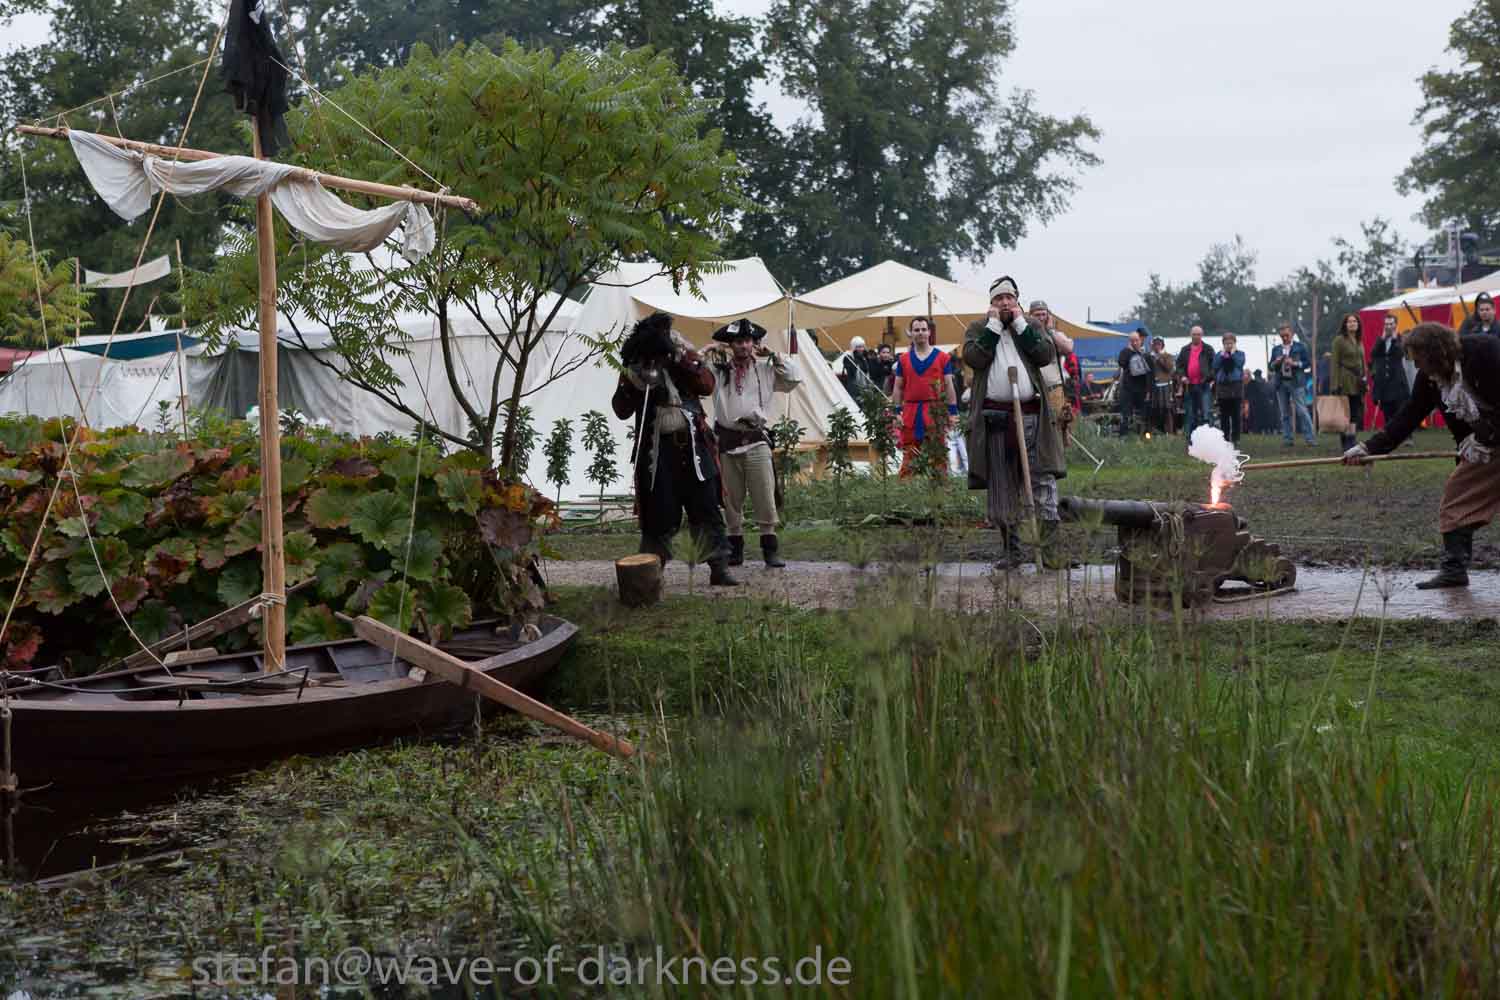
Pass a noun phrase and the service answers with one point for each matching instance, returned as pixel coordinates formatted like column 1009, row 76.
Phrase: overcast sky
column 1285, row 121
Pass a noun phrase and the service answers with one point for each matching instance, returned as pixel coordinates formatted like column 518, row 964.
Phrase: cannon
column 1186, row 549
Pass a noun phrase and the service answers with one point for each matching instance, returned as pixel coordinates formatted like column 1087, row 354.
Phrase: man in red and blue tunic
column 924, row 392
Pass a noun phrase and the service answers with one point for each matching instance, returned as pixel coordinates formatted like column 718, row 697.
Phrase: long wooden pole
column 455, row 671
column 273, row 556
column 1300, row 462
column 333, row 181
column 182, row 399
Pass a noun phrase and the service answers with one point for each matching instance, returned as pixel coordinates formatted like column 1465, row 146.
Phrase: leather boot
column 768, row 548
column 736, row 550
column 1015, row 556
column 1453, row 571
column 718, row 574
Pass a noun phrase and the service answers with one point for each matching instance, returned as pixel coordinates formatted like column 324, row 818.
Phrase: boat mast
column 273, row 558
column 273, row 554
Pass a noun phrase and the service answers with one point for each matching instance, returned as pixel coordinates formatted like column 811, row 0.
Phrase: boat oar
column 456, row 671
column 1298, row 463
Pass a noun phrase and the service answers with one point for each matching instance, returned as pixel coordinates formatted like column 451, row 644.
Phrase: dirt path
column 1321, row 594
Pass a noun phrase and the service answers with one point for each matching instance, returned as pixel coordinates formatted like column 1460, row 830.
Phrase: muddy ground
column 1323, row 594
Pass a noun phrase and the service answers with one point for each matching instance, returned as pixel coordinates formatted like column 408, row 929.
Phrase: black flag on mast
column 254, row 71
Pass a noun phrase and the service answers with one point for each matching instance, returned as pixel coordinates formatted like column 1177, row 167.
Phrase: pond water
column 418, row 852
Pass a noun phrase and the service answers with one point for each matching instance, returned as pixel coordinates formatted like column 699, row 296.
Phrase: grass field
column 1386, row 515
column 954, row 805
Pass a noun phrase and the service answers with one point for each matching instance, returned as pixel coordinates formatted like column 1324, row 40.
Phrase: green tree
column 909, row 149
column 96, row 48
column 841, row 430
column 337, row 38
column 559, row 449
column 1458, row 169
column 61, row 305
column 1368, row 265
column 579, row 161
column 600, row 444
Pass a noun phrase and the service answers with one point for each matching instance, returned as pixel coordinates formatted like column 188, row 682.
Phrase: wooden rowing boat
column 224, row 713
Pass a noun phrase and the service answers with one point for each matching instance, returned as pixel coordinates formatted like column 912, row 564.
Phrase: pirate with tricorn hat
column 747, row 376
column 675, row 457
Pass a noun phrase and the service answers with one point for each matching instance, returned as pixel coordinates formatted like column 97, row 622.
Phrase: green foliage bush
column 166, row 532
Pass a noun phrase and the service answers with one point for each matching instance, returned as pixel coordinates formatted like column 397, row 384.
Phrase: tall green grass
column 988, row 810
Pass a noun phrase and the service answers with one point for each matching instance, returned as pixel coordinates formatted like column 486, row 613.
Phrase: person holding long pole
column 1460, row 377
column 993, row 346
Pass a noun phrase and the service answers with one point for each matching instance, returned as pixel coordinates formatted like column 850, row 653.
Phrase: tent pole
column 83, row 413
column 182, row 401
column 273, row 565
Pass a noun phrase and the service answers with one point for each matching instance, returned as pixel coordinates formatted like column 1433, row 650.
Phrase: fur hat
column 740, row 328
column 1005, row 283
column 649, row 340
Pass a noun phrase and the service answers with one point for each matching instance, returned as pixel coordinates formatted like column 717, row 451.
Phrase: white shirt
column 748, row 405
column 1008, row 355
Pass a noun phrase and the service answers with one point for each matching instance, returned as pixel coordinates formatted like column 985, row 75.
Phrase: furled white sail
column 148, row 272
column 127, row 181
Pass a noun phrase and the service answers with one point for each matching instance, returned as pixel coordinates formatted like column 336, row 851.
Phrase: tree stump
column 639, row 579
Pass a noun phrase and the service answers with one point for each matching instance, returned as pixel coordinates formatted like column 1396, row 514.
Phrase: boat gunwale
column 83, row 700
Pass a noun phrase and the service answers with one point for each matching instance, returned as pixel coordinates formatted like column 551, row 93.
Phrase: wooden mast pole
column 273, row 556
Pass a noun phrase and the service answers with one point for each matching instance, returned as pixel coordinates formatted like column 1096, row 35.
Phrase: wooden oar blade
column 456, row 671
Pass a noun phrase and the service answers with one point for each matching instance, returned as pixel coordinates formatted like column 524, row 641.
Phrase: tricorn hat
column 1005, row 283
column 739, row 328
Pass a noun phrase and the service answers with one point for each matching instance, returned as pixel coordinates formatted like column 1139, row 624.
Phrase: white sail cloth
column 128, row 180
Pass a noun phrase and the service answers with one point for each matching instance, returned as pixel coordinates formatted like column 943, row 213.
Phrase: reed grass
column 989, row 810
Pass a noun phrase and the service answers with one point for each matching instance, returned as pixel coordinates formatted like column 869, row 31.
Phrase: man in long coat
column 1003, row 340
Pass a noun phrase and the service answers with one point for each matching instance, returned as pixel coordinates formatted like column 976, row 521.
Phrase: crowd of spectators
column 1208, row 384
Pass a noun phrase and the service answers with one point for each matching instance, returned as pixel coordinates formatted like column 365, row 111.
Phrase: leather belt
column 1033, row 405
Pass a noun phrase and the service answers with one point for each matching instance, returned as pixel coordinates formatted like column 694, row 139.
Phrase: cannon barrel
column 1123, row 513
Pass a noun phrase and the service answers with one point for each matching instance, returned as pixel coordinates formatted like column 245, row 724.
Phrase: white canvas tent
column 743, row 288
column 951, row 307
column 918, row 293
column 227, row 379
column 111, row 391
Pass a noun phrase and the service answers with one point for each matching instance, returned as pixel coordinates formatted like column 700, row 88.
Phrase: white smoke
column 1210, row 445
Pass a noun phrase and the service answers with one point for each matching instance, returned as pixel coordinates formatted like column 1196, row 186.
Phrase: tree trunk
column 507, row 453
column 639, row 579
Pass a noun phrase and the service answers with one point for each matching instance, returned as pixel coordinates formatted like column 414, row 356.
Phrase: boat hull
column 118, row 735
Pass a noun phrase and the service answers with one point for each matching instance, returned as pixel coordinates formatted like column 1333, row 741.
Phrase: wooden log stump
column 639, row 579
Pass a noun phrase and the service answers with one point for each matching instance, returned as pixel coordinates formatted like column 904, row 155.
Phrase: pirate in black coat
column 676, row 457
column 1459, row 377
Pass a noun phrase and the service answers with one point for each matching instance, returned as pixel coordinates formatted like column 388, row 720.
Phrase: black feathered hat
column 649, row 339
column 740, row 328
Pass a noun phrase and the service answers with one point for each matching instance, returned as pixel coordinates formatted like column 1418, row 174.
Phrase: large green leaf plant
column 163, row 532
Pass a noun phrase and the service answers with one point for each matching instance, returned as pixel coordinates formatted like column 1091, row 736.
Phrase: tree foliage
column 96, row 48
column 579, row 161
column 1458, row 168
column 908, row 150
column 1226, row 296
column 36, row 317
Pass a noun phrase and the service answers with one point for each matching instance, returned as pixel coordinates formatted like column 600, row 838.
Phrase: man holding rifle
column 1460, row 377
